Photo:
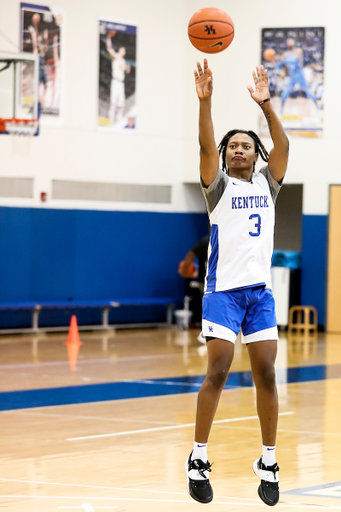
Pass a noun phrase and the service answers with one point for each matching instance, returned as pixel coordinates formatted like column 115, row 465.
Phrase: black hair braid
column 259, row 146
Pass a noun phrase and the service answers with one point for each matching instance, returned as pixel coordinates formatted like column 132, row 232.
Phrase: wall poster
column 41, row 32
column 117, row 76
column 294, row 58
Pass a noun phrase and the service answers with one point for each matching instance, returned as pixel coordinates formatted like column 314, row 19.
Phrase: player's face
column 240, row 152
column 291, row 43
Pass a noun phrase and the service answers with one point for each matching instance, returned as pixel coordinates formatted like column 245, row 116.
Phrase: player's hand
column 31, row 29
column 260, row 78
column 203, row 81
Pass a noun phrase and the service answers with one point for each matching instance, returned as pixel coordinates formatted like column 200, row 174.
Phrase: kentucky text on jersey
column 250, row 202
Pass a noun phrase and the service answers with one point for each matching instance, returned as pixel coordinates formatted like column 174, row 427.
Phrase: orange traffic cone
column 73, row 342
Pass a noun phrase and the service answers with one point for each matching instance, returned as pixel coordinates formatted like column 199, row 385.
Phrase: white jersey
column 118, row 67
column 242, row 218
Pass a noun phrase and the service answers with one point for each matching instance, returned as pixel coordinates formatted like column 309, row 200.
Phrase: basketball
column 211, row 30
column 192, row 270
column 36, row 18
column 269, row 54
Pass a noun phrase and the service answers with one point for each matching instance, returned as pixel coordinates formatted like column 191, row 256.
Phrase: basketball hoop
column 16, row 126
column 21, row 131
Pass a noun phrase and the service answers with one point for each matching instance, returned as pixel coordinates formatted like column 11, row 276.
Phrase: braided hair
column 259, row 146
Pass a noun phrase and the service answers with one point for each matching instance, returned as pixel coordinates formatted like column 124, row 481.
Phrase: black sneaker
column 198, row 484
column 268, row 490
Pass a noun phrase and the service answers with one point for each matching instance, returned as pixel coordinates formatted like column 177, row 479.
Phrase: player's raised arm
column 110, row 49
column 33, row 33
column 209, row 155
column 46, row 38
column 278, row 158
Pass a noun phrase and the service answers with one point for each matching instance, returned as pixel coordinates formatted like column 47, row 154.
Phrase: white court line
column 166, row 383
column 27, row 412
column 259, row 504
column 88, row 361
column 87, row 507
column 295, row 431
column 158, row 429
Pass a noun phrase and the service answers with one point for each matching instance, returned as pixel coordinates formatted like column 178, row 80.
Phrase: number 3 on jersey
column 257, row 225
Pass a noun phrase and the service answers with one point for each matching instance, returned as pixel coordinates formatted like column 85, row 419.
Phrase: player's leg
column 310, row 95
column 260, row 335
column 42, row 81
column 284, row 96
column 220, row 354
column 262, row 357
column 222, row 316
column 112, row 108
column 120, row 101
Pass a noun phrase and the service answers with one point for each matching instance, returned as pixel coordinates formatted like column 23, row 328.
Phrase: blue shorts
column 250, row 309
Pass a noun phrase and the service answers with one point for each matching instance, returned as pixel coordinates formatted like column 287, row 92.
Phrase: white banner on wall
column 41, row 32
column 294, row 58
column 117, row 76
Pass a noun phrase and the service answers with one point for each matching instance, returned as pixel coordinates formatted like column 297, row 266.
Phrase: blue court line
column 10, row 400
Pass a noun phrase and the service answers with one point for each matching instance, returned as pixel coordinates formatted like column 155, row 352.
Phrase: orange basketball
column 192, row 270
column 36, row 18
column 211, row 30
column 269, row 54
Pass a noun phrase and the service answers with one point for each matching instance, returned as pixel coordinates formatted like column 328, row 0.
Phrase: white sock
column 269, row 455
column 199, row 451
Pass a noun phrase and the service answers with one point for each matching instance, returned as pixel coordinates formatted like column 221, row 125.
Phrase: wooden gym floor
column 114, row 433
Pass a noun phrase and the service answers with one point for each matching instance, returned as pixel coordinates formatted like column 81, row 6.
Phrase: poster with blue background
column 294, row 58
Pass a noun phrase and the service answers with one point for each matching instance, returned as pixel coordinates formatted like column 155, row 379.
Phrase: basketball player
column 292, row 58
column 119, row 70
column 40, row 46
column 238, row 292
column 199, row 251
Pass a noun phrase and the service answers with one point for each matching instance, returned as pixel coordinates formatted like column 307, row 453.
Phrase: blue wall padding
column 314, row 263
column 48, row 254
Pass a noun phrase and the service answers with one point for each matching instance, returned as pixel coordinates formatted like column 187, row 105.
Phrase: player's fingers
column 261, row 72
column 255, row 77
column 205, row 65
column 199, row 68
column 249, row 88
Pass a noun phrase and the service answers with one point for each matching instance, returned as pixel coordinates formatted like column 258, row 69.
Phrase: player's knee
column 218, row 376
column 266, row 378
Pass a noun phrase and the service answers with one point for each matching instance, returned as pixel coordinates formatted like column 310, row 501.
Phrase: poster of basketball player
column 117, row 76
column 294, row 58
column 41, row 33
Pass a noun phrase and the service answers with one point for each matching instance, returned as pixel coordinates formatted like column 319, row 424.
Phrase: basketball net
column 21, row 131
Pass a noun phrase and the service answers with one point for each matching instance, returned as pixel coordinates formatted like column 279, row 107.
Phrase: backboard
column 19, row 75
